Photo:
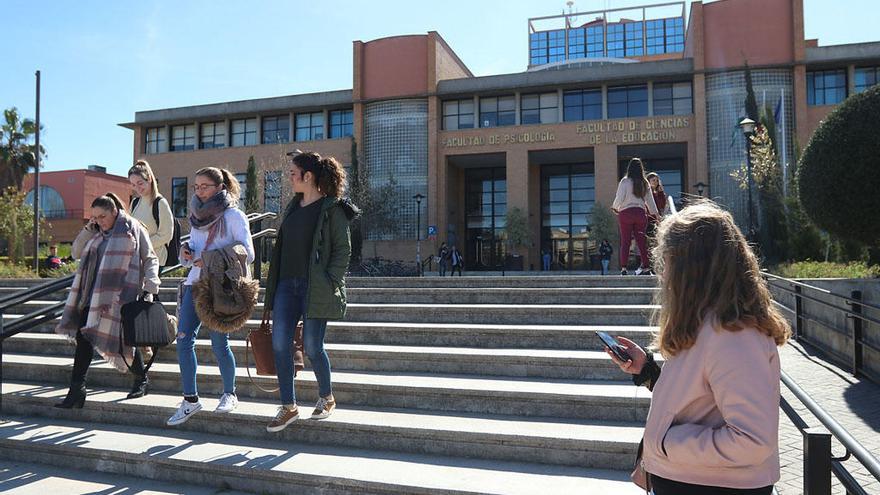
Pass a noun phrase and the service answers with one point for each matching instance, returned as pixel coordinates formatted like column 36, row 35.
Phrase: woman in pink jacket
column 713, row 426
column 632, row 204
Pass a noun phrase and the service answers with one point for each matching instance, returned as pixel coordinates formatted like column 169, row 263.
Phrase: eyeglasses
column 203, row 187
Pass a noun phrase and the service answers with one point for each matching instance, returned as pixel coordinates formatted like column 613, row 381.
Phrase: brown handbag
column 264, row 358
column 639, row 476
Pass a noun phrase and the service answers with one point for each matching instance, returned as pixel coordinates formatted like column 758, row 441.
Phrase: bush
column 838, row 179
column 16, row 270
column 823, row 269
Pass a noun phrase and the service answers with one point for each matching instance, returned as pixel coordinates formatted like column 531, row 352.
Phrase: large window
column 242, row 183
column 826, row 87
column 634, row 44
column 673, row 98
column 155, row 140
column 341, row 123
column 595, row 41
column 244, row 132
column 272, row 191
column 539, row 109
column 674, row 34
column 213, row 135
column 866, row 77
column 547, row 46
column 567, row 196
column 582, row 105
column 183, row 137
column 486, row 211
column 276, row 129
column 538, row 48
column 178, row 196
column 51, row 203
column 576, row 42
column 309, row 126
column 458, row 114
column 497, row 111
column 627, row 101
column 615, row 40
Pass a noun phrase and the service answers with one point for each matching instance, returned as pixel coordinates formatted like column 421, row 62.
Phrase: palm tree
column 17, row 155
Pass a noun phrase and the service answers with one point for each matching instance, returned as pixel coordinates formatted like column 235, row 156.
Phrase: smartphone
column 614, row 346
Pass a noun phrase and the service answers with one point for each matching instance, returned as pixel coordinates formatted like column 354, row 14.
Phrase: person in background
column 457, row 261
column 546, row 258
column 605, row 252
column 53, row 261
column 443, row 259
column 146, row 192
column 713, row 425
column 117, row 265
column 632, row 204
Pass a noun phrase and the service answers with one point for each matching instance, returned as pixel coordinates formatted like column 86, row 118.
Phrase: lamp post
column 700, row 187
column 748, row 128
column 419, row 197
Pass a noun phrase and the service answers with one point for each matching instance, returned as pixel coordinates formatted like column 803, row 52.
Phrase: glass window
column 655, row 34
column 615, row 40
column 582, row 105
column 567, row 197
column 538, row 48
column 309, row 126
column 178, row 196
column 341, row 123
column 595, row 41
column 242, row 183
column 155, row 140
column 539, row 109
column 627, row 101
column 826, row 87
column 634, row 44
column 272, row 191
column 866, row 77
column 458, row 114
column 497, row 111
column 576, row 45
column 556, row 46
column 276, row 129
column 51, row 203
column 213, row 135
column 183, row 137
column 674, row 34
column 673, row 98
column 244, row 132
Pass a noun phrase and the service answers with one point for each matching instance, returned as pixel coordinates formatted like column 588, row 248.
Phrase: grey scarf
column 203, row 215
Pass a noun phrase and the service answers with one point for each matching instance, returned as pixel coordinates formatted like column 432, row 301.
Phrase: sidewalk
column 854, row 403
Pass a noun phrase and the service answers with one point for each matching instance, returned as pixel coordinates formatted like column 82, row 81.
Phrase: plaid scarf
column 117, row 281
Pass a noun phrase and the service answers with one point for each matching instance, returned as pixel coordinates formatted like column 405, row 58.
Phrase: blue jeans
column 188, row 326
column 605, row 266
column 288, row 309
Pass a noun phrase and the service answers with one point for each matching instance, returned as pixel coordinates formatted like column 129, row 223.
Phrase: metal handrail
column 847, row 299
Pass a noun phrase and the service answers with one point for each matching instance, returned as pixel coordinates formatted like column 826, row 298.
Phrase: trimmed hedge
column 839, row 171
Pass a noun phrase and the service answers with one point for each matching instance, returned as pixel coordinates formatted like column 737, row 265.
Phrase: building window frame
column 275, row 129
column 179, row 194
column 341, row 123
column 865, row 77
column 539, row 108
column 272, row 191
column 183, row 137
column 633, row 99
column 634, row 45
column 309, row 126
column 577, row 107
column 213, row 135
column 826, row 87
column 497, row 111
column 673, row 98
column 458, row 114
column 244, row 132
column 154, row 140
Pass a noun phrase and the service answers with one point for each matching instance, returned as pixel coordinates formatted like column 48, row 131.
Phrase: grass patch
column 826, row 269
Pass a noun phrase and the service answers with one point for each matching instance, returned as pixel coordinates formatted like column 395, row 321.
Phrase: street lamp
column 748, row 128
column 419, row 197
column 700, row 187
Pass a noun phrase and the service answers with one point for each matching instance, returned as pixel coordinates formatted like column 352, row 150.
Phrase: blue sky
column 102, row 61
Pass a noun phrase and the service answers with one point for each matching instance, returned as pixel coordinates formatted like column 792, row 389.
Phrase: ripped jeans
column 188, row 327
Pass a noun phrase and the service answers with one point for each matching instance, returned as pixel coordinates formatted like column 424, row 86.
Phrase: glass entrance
column 567, row 196
column 486, row 211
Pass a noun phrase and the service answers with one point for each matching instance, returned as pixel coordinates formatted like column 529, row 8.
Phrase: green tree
column 751, row 104
column 251, row 203
column 603, row 225
column 16, row 222
column 17, row 154
column 517, row 228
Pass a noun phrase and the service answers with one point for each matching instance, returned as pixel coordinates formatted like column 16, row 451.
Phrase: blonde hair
column 707, row 267
column 222, row 176
column 142, row 169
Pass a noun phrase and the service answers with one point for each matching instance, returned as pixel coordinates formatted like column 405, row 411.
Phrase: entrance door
column 486, row 210
column 567, row 196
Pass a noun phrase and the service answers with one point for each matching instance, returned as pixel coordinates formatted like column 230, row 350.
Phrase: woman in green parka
column 307, row 276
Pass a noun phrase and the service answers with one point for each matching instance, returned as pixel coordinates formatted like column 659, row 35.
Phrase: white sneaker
column 639, row 271
column 186, row 410
column 228, row 403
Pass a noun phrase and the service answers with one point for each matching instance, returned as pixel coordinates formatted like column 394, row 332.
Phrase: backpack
column 173, row 246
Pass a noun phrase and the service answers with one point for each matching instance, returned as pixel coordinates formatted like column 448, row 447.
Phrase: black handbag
column 144, row 324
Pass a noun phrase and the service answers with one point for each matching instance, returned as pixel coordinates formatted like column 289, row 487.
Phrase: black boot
column 139, row 388
column 76, row 397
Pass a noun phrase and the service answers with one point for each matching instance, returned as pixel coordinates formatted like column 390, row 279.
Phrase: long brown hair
column 635, row 170
column 109, row 202
column 329, row 173
column 650, row 176
column 222, row 176
column 707, row 269
column 142, row 169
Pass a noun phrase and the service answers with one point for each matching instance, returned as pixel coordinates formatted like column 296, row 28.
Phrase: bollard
column 817, row 461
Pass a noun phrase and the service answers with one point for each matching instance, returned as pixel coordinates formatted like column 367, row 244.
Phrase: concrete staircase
column 452, row 385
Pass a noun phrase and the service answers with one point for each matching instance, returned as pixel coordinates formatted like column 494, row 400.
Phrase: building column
column 291, row 132
column 516, row 96
column 560, row 116
column 518, row 185
column 698, row 158
column 650, row 98
column 165, row 148
column 326, row 114
column 477, row 122
column 604, row 101
column 605, row 170
column 850, row 80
